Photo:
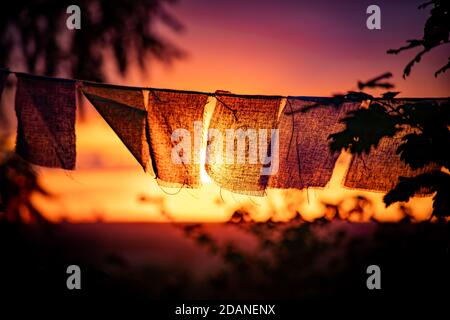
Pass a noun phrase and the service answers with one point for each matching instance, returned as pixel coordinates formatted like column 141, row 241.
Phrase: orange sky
column 275, row 47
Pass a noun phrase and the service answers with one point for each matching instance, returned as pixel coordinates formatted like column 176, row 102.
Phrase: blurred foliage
column 244, row 259
column 35, row 32
column 18, row 183
column 359, row 137
column 297, row 259
column 436, row 33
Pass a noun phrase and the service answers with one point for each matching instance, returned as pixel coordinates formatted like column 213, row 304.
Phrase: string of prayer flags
column 124, row 110
column 3, row 77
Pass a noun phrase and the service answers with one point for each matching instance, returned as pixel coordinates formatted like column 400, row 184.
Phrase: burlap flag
column 380, row 169
column 305, row 159
column 124, row 110
column 175, row 120
column 242, row 143
column 45, row 109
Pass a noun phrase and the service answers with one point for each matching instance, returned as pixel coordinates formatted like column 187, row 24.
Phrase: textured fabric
column 380, row 169
column 3, row 76
column 176, row 159
column 235, row 171
column 305, row 157
column 45, row 110
column 124, row 110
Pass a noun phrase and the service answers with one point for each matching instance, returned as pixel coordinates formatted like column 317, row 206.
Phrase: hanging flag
column 3, row 77
column 305, row 159
column 45, row 109
column 381, row 168
column 175, row 120
column 124, row 110
column 243, row 142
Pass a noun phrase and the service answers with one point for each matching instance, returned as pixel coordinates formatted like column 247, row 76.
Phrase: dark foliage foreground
column 321, row 261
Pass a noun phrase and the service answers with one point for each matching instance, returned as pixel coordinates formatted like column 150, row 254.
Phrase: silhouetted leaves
column 428, row 143
column 18, row 184
column 422, row 125
column 443, row 68
column 437, row 181
column 364, row 129
column 436, row 33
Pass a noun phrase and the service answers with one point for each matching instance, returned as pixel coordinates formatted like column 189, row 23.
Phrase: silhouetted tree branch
column 436, row 33
column 436, row 181
column 425, row 136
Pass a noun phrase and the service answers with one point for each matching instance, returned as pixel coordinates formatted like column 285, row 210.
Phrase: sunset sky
column 254, row 47
column 297, row 47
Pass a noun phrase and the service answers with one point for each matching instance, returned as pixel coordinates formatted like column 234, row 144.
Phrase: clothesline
column 299, row 155
column 94, row 83
column 211, row 94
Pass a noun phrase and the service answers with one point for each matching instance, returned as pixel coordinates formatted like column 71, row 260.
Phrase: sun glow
column 207, row 114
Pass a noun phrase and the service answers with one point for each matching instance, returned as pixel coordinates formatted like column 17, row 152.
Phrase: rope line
column 212, row 94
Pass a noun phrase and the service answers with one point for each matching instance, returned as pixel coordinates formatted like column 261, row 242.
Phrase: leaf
column 358, row 96
column 416, row 151
column 375, row 82
column 436, row 181
column 364, row 128
column 390, row 95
